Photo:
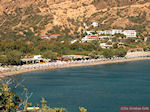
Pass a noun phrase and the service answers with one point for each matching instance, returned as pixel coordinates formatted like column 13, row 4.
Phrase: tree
column 129, row 40
column 94, row 54
column 115, row 46
column 46, row 108
column 82, row 109
column 119, row 35
column 3, row 59
column 9, row 101
column 121, row 52
column 14, row 57
column 108, row 53
column 49, row 55
column 95, row 45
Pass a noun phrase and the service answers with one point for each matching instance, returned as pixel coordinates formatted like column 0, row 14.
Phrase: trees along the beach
column 93, row 54
column 108, row 53
column 120, row 52
column 49, row 55
column 3, row 59
column 115, row 46
column 96, row 50
column 14, row 57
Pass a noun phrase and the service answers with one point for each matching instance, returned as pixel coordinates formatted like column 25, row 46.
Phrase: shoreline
column 67, row 65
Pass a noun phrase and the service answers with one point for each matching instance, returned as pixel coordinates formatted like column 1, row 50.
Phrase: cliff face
column 40, row 16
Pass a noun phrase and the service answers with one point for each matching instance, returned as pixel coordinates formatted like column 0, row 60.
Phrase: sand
column 9, row 74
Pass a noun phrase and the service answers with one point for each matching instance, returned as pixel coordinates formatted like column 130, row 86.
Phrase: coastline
column 67, row 65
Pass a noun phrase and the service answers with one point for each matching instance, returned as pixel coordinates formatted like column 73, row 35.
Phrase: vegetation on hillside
column 22, row 21
column 113, row 3
column 12, row 50
column 40, row 18
column 21, row 27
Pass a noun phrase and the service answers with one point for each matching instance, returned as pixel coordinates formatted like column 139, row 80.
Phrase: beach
column 14, row 70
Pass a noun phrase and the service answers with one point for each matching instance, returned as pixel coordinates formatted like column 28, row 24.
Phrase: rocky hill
column 100, row 4
column 22, row 17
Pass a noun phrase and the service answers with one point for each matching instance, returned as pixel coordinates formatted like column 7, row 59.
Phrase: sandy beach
column 56, row 65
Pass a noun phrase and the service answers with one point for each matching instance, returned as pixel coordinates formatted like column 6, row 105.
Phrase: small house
column 89, row 38
column 116, row 31
column 94, row 24
column 75, row 57
column 138, row 40
column 105, row 46
column 55, row 35
column 129, row 33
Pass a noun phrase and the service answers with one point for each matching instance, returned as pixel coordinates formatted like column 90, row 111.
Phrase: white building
column 85, row 39
column 94, row 24
column 89, row 38
column 129, row 33
column 75, row 56
column 37, row 57
column 104, row 37
column 34, row 59
column 101, row 32
column 85, row 26
column 106, row 32
column 89, row 32
column 117, row 31
column 105, row 46
column 73, row 41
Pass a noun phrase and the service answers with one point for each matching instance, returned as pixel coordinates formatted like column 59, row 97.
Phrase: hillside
column 100, row 4
column 38, row 17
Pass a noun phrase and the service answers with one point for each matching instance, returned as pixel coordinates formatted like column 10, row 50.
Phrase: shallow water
column 101, row 88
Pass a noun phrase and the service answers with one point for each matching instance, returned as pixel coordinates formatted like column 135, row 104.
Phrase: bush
column 108, row 53
column 138, row 19
column 14, row 57
column 120, row 52
column 10, row 102
column 8, row 99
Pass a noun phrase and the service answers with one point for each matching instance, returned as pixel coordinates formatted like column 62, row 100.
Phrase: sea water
column 100, row 88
